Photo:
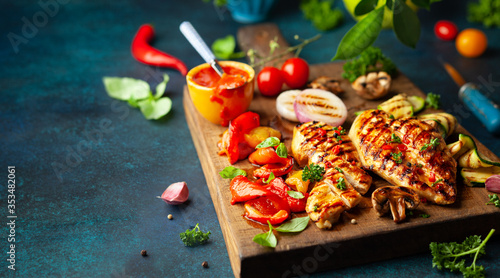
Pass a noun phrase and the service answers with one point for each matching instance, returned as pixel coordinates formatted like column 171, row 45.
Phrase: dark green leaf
column 361, row 35
column 422, row 3
column 432, row 100
column 282, row 151
column 266, row 239
column 295, row 194
column 269, row 142
column 294, row 226
column 389, row 4
column 406, row 24
column 365, row 6
column 230, row 172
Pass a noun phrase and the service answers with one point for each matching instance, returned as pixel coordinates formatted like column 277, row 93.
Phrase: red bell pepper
column 264, row 156
column 238, row 127
column 243, row 190
column 269, row 208
column 280, row 188
column 277, row 169
column 145, row 53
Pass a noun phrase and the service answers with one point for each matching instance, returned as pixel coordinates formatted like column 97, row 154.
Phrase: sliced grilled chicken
column 324, row 206
column 420, row 161
column 319, row 143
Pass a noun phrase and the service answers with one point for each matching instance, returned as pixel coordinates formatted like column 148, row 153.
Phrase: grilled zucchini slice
column 417, row 102
column 445, row 121
column 398, row 106
column 477, row 177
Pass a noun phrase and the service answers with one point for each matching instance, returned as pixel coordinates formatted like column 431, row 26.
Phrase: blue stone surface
column 89, row 168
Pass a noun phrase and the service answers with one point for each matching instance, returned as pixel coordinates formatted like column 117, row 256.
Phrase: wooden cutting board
column 373, row 238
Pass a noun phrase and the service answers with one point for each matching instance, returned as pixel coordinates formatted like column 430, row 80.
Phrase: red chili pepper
column 336, row 149
column 386, row 147
column 238, row 127
column 280, row 188
column 276, row 168
column 402, row 147
column 243, row 190
column 269, row 208
column 265, row 156
column 423, row 200
column 145, row 53
column 322, row 132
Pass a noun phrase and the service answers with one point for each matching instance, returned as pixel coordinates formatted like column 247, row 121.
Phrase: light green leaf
column 123, row 88
column 361, row 35
column 160, row 88
column 406, row 24
column 223, row 48
column 269, row 142
column 133, row 102
column 282, row 151
column 230, row 172
column 295, row 194
column 154, row 109
column 266, row 239
column 271, row 178
column 294, row 226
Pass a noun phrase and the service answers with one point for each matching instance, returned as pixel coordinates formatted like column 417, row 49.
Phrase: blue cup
column 250, row 11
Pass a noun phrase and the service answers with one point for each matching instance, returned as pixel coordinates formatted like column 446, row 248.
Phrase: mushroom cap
column 373, row 85
column 395, row 198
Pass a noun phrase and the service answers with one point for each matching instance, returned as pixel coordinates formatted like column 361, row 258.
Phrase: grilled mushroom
column 327, row 84
column 397, row 198
column 373, row 85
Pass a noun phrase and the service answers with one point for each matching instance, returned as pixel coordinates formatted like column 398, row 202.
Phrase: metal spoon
column 197, row 42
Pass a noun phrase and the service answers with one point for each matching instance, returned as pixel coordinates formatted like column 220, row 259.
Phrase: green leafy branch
column 406, row 26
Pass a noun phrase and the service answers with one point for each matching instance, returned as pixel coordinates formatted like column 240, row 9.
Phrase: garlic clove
column 493, row 183
column 176, row 193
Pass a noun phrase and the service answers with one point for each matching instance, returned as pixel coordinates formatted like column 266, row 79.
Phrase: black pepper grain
column 144, row 253
column 204, row 264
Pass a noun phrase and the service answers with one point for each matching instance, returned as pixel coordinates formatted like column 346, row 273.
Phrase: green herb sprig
column 486, row 12
column 194, row 237
column 341, row 183
column 322, row 14
column 432, row 100
column 447, row 255
column 313, row 172
column 138, row 94
column 370, row 60
column 268, row 142
column 434, row 143
column 397, row 157
column 494, row 200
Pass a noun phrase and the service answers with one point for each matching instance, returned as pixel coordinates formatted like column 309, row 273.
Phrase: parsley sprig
column 341, row 183
column 432, row 100
column 434, row 143
column 370, row 60
column 194, row 237
column 446, row 255
column 397, row 157
column 395, row 139
column 313, row 172
column 494, row 200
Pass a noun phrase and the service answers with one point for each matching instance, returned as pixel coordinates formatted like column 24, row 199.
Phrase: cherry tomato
column 471, row 43
column 295, row 71
column 270, row 81
column 445, row 30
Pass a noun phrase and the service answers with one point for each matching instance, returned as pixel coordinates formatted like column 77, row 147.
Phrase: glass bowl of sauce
column 220, row 100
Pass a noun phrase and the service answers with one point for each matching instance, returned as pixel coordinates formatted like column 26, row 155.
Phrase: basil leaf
column 282, row 151
column 133, row 102
column 269, row 142
column 406, row 24
column 295, row 194
column 160, row 88
column 230, row 172
column 365, row 6
column 154, row 109
column 271, row 178
column 361, row 35
column 123, row 88
column 223, row 48
column 266, row 239
column 294, row 226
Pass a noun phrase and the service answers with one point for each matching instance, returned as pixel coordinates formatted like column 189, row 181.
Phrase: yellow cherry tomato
column 471, row 43
column 259, row 134
column 294, row 180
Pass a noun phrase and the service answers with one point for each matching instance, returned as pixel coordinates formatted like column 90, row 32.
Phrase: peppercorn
column 144, row 253
column 170, row 216
column 204, row 264
column 354, row 221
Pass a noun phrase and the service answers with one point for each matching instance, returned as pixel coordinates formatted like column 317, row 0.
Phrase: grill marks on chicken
column 422, row 163
column 343, row 181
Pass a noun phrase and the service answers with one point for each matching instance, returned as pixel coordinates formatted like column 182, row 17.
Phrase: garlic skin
column 493, row 184
column 176, row 193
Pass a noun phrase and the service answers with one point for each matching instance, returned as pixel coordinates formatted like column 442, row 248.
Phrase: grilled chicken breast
column 420, row 160
column 343, row 181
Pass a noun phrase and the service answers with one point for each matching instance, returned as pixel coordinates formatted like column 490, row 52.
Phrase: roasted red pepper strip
column 280, row 188
column 277, row 169
column 269, row 208
column 243, row 190
column 238, row 127
column 145, row 53
column 264, row 156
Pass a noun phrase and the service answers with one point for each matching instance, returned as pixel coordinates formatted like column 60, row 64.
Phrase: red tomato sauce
column 207, row 77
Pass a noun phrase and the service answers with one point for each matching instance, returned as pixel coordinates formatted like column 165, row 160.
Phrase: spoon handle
column 197, row 42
